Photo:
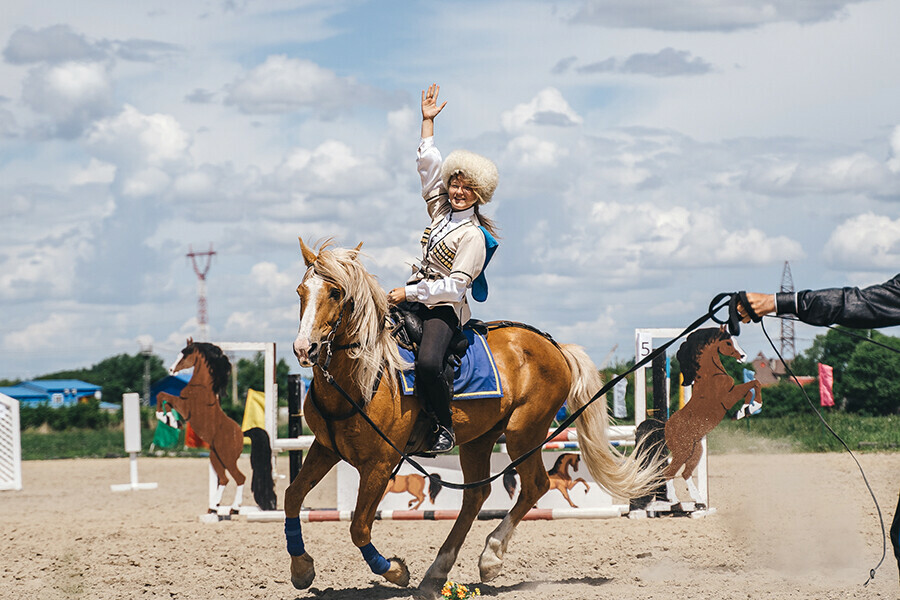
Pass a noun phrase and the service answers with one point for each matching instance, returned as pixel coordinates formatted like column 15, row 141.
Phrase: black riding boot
column 438, row 325
column 436, row 395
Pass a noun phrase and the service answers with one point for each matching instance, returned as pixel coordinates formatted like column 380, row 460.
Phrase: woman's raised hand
column 430, row 108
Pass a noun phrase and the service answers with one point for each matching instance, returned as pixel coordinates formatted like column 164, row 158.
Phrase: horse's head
column 324, row 300
column 186, row 358
column 728, row 346
column 702, row 343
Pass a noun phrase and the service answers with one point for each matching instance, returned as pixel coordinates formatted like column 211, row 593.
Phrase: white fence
column 10, row 444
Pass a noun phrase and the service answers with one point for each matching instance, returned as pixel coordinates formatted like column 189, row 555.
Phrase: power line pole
column 146, row 352
column 202, row 317
column 787, row 325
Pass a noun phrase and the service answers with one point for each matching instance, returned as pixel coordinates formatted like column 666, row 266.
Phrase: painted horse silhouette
column 342, row 329
column 561, row 479
column 714, row 393
column 199, row 405
column 415, row 485
column 559, row 476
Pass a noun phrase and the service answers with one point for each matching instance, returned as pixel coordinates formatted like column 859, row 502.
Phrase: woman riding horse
column 342, row 335
column 454, row 255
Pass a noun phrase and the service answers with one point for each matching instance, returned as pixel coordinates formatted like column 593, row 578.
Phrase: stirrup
column 445, row 441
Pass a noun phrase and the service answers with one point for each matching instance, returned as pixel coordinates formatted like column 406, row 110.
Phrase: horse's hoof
column 429, row 589
column 302, row 571
column 491, row 561
column 398, row 573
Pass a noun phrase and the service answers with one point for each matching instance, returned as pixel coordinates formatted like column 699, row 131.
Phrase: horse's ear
column 722, row 328
column 356, row 250
column 190, row 341
column 309, row 257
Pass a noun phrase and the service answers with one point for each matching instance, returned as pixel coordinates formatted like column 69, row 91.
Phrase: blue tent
column 171, row 384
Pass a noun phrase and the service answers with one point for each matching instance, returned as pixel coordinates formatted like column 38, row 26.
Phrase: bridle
column 329, row 349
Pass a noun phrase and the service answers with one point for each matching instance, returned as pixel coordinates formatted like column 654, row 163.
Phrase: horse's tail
column 434, row 486
column 509, row 482
column 620, row 476
column 262, row 485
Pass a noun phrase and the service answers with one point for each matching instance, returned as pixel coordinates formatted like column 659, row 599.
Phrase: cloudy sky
column 652, row 154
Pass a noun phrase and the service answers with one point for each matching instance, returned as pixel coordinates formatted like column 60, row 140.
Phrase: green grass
column 86, row 443
column 804, row 432
column 801, row 432
column 76, row 443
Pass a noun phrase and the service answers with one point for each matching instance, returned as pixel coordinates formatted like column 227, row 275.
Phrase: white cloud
column 132, row 138
column 858, row 173
column 42, row 335
column 45, row 271
column 54, row 44
column 866, row 242
column 283, row 85
column 643, row 236
column 894, row 162
column 269, row 280
column 332, row 168
column 71, row 94
column 702, row 15
column 587, row 332
column 529, row 151
column 547, row 108
column 96, row 171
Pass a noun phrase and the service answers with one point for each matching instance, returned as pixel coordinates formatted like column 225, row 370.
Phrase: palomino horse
column 414, row 484
column 199, row 405
column 714, row 392
column 342, row 330
column 561, row 480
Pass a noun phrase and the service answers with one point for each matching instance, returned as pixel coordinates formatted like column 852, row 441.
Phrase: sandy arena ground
column 787, row 526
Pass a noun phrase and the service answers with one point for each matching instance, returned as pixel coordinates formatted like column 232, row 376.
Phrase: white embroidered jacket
column 453, row 247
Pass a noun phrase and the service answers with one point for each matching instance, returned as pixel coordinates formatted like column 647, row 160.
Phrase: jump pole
column 131, row 417
column 535, row 514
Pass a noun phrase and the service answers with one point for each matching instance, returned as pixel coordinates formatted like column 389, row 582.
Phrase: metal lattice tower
column 787, row 325
column 202, row 317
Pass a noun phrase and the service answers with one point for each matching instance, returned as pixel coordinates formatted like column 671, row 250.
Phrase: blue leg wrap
column 376, row 561
column 294, row 536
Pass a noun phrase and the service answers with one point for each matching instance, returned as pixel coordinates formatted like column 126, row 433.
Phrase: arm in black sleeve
column 875, row 306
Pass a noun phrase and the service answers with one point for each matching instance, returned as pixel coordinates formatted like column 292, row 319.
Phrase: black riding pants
column 439, row 323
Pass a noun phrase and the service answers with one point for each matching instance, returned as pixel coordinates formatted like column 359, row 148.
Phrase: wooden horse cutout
column 714, row 393
column 342, row 329
column 199, row 405
column 561, row 480
column 414, row 484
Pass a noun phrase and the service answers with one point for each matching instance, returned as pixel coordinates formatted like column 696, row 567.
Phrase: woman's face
column 462, row 196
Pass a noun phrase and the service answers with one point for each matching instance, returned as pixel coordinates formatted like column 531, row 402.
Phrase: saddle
column 405, row 323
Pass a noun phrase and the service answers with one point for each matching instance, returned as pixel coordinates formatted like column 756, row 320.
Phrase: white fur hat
column 481, row 172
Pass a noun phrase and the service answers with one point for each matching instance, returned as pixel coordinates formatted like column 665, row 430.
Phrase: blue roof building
column 53, row 392
column 171, row 384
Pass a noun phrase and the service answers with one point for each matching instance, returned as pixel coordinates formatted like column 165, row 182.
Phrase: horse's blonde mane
column 366, row 321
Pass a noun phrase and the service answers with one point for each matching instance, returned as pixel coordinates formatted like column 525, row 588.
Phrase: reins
column 716, row 305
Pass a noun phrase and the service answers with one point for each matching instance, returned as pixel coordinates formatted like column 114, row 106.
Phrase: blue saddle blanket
column 475, row 378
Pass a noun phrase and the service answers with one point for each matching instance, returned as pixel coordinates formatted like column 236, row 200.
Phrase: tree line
column 124, row 373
